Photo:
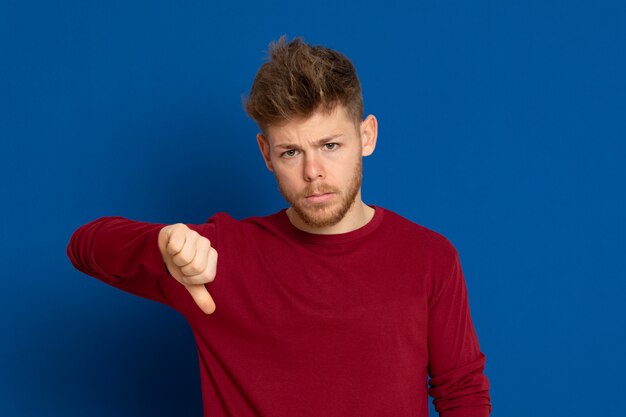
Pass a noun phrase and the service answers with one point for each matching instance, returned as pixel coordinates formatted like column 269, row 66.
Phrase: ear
column 264, row 146
column 369, row 134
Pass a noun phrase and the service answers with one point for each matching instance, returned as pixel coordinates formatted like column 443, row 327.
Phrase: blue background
column 502, row 126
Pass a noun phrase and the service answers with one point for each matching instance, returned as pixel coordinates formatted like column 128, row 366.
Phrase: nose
column 313, row 169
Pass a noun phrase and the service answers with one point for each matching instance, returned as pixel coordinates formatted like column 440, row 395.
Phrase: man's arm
column 456, row 364
column 136, row 256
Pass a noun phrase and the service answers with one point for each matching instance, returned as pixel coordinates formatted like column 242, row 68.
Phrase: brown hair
column 297, row 79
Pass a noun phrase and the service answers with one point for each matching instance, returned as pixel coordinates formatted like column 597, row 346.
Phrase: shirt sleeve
column 125, row 254
column 456, row 364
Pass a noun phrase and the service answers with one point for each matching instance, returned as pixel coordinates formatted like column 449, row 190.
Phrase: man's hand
column 191, row 260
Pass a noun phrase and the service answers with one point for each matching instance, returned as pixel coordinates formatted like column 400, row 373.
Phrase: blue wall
column 502, row 126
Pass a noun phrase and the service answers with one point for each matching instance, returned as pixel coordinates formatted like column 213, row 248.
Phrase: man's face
column 317, row 164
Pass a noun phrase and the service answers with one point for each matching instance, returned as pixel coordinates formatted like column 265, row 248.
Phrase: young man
column 331, row 307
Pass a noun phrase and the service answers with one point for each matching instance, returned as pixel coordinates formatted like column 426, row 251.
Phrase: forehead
column 319, row 125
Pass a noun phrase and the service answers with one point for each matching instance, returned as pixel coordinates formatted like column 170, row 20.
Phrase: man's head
column 307, row 102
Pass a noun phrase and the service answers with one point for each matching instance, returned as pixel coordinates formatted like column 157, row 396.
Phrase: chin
column 323, row 215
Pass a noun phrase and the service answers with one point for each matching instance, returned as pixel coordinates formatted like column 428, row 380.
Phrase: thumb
column 201, row 296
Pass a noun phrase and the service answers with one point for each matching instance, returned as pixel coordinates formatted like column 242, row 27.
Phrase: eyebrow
column 319, row 142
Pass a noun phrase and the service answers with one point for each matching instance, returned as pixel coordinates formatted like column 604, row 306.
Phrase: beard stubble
column 324, row 215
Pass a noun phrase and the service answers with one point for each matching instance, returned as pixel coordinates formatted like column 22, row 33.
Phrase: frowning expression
column 317, row 164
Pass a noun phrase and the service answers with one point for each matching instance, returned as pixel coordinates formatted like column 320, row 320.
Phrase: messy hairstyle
column 297, row 79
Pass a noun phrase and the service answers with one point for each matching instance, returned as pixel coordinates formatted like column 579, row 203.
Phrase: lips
column 319, row 198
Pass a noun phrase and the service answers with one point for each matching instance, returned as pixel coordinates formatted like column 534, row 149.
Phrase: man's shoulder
column 224, row 220
column 401, row 228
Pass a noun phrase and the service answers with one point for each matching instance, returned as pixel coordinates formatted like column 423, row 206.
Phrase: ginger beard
column 327, row 213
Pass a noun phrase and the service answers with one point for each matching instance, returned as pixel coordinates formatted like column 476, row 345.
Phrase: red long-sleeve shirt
column 313, row 325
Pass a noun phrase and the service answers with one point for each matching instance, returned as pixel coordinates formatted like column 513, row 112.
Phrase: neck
column 357, row 216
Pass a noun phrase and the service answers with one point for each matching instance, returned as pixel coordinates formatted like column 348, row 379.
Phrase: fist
column 191, row 260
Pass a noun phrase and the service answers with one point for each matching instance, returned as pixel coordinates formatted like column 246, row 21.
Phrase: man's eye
column 289, row 154
column 331, row 146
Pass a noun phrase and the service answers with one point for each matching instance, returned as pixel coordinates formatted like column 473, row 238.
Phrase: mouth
column 319, row 198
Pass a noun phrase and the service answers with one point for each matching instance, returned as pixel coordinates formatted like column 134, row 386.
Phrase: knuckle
column 191, row 269
column 210, row 277
column 192, row 280
column 203, row 242
column 186, row 256
column 211, row 271
column 174, row 245
column 182, row 259
column 176, row 235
